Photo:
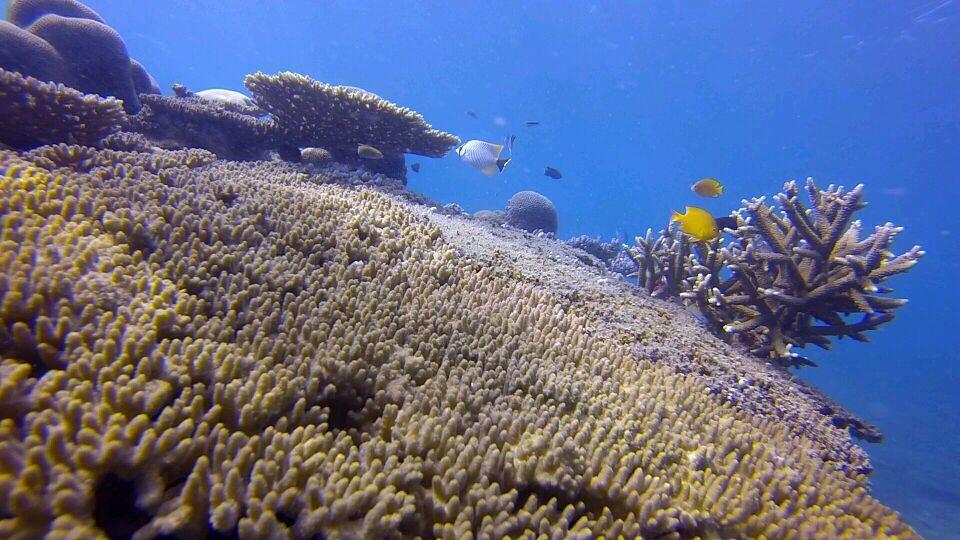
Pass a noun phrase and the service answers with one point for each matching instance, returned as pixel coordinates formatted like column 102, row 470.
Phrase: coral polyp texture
column 64, row 41
column 531, row 211
column 194, row 347
column 36, row 113
column 338, row 118
column 201, row 123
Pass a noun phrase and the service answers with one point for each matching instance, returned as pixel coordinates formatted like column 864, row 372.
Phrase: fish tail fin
column 720, row 190
column 674, row 216
column 502, row 163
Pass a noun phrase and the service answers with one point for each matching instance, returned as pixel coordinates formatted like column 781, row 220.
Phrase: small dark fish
column 726, row 222
column 531, row 123
column 552, row 173
column 471, row 114
column 415, row 167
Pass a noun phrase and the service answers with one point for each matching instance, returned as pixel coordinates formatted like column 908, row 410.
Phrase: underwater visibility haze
column 633, row 271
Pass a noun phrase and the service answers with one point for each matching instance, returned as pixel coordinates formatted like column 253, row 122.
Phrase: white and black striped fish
column 484, row 156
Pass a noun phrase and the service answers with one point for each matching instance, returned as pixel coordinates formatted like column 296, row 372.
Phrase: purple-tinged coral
column 200, row 123
column 663, row 262
column 96, row 54
column 31, row 56
column 36, row 113
column 23, row 13
column 143, row 82
column 531, row 211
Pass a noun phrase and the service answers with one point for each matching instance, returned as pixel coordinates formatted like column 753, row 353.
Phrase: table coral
column 338, row 118
column 203, row 123
column 36, row 113
column 198, row 348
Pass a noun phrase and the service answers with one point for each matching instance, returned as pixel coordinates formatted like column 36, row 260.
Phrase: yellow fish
column 698, row 223
column 708, row 187
column 365, row 151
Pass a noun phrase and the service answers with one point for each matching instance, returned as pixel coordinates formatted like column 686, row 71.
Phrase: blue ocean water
column 637, row 101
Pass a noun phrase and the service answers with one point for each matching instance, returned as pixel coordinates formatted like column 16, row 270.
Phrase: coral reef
column 230, row 99
column 66, row 42
column 497, row 217
column 788, row 279
column 36, row 113
column 202, row 123
column 23, row 13
column 532, row 212
column 143, row 82
column 235, row 349
column 663, row 262
column 31, row 56
column 604, row 251
column 339, row 118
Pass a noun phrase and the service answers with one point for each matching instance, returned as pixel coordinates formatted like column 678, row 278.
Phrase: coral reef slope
column 194, row 347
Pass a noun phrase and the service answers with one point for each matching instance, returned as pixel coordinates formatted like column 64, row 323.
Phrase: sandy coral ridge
column 193, row 347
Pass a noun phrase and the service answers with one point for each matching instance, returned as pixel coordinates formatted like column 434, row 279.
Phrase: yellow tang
column 365, row 151
column 708, row 187
column 698, row 223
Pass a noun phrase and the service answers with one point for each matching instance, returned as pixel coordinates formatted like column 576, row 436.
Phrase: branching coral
column 194, row 349
column 795, row 277
column 36, row 113
column 664, row 263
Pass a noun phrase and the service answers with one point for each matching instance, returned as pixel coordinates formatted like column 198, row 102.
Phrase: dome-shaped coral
column 531, row 211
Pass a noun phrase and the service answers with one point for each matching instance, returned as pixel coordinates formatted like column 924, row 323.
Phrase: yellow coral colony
column 245, row 350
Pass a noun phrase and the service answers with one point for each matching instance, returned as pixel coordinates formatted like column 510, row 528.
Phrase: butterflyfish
column 485, row 156
column 708, row 187
column 365, row 151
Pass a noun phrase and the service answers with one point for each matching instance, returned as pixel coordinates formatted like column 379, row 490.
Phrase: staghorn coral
column 663, row 263
column 338, row 118
column 232, row 348
column 36, row 113
column 202, row 123
column 531, row 211
column 786, row 280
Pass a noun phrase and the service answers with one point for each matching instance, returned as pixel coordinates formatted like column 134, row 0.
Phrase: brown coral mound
column 341, row 117
column 36, row 113
column 234, row 348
